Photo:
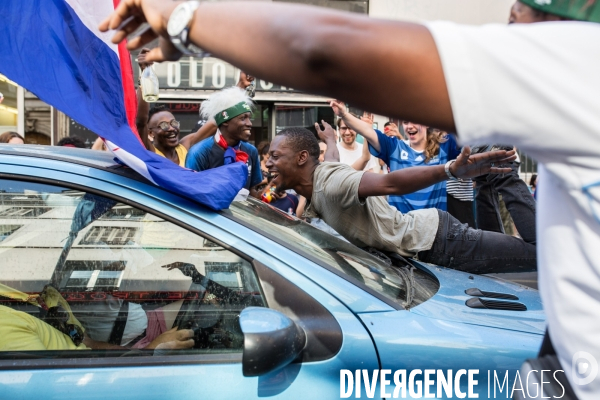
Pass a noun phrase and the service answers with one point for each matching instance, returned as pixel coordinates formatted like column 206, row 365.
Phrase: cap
column 581, row 10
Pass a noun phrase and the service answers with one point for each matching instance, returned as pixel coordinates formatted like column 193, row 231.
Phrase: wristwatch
column 447, row 169
column 178, row 27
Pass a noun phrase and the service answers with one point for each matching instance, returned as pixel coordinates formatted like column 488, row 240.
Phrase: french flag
column 54, row 49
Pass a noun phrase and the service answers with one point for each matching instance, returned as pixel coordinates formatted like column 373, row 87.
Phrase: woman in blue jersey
column 422, row 148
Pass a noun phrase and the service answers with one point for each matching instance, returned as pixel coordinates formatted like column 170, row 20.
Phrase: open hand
column 368, row 118
column 392, row 130
column 339, row 107
column 185, row 268
column 173, row 340
column 131, row 14
column 471, row 166
column 141, row 59
column 245, row 80
column 328, row 134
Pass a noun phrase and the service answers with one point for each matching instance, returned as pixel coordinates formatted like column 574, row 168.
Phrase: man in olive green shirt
column 348, row 201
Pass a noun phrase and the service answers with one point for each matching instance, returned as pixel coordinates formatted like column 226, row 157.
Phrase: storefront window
column 302, row 116
column 8, row 105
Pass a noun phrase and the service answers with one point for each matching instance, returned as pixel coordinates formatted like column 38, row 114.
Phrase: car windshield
column 405, row 286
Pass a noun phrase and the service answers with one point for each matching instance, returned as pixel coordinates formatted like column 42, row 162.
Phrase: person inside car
column 20, row 331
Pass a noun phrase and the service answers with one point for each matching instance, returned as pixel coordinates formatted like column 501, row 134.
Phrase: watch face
column 178, row 20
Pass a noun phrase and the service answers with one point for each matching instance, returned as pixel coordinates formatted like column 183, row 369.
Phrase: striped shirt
column 461, row 190
column 398, row 154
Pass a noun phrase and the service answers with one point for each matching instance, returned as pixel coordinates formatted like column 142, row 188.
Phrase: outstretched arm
column 358, row 125
column 311, row 49
column 410, row 180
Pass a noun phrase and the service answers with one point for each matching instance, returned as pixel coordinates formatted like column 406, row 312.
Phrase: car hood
column 449, row 303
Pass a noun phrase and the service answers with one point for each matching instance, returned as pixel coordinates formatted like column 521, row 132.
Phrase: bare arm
column 410, row 180
column 358, row 125
column 141, row 119
column 327, row 135
column 207, row 130
column 311, row 49
column 365, row 156
column 301, row 206
column 98, row 144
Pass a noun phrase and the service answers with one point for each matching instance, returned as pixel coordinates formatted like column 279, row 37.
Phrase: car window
column 403, row 287
column 81, row 271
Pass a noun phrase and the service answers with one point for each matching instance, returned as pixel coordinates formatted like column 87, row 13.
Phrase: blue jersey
column 397, row 154
column 208, row 154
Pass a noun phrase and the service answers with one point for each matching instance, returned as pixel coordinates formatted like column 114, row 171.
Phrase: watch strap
column 447, row 169
column 181, row 41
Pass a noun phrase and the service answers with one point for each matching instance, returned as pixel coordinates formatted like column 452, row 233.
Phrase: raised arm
column 312, row 49
column 207, row 130
column 410, row 180
column 328, row 136
column 363, row 160
column 141, row 119
column 357, row 125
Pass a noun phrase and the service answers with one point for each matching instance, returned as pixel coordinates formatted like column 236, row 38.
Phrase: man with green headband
column 231, row 110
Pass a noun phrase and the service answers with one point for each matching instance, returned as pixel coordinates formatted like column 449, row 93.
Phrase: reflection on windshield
column 405, row 286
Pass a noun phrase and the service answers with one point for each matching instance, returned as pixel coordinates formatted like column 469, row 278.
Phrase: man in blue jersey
column 231, row 110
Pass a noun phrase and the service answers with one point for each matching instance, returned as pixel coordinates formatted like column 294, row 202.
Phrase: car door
column 129, row 263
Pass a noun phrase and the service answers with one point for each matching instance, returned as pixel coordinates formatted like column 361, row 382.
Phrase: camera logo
column 584, row 368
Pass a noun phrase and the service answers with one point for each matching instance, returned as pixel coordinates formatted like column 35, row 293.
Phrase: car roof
column 103, row 160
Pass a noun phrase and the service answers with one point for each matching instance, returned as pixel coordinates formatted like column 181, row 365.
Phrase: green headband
column 232, row 112
column 581, row 10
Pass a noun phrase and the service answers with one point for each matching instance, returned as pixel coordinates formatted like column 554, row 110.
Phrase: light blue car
column 278, row 308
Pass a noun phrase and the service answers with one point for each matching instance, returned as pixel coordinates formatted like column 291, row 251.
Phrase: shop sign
column 204, row 74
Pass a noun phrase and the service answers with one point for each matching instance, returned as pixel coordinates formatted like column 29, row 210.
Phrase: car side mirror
column 271, row 340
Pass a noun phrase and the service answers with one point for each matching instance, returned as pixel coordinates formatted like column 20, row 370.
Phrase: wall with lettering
column 203, row 74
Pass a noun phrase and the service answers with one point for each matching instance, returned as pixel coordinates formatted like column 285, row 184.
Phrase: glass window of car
column 402, row 286
column 78, row 264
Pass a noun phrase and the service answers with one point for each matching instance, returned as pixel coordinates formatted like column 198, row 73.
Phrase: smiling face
column 164, row 139
column 347, row 134
column 237, row 129
column 416, row 133
column 282, row 164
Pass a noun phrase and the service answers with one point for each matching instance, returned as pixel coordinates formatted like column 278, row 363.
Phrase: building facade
column 185, row 83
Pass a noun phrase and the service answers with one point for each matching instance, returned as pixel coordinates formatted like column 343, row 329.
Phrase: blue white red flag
column 54, row 49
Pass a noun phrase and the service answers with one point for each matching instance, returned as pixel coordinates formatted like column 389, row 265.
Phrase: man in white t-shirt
column 534, row 86
column 350, row 150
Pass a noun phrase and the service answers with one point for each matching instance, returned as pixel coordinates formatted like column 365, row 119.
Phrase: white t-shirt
column 537, row 86
column 348, row 157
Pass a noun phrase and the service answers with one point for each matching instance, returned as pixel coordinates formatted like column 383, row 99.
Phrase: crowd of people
column 413, row 195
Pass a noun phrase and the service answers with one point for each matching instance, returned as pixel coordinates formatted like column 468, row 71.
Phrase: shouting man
column 348, row 201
